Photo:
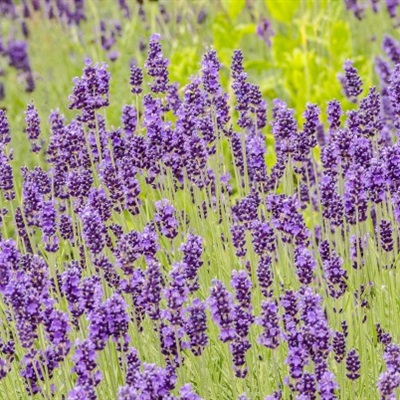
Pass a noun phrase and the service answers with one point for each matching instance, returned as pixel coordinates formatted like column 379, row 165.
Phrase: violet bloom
column 269, row 321
column 307, row 138
column 186, row 393
column 265, row 31
column 239, row 239
column 305, row 265
column 394, row 94
column 5, row 137
column 48, row 223
column 157, row 66
column 129, row 120
column 33, row 126
column 93, row 230
column 210, row 67
column 151, row 292
column 284, row 129
column 339, row 346
column 6, row 177
column 196, row 327
column 265, row 276
column 165, row 218
column 376, row 180
column 353, row 365
column 391, row 6
column 386, row 238
column 109, row 319
column 245, row 209
column 306, row 387
column 255, row 158
column 334, row 112
column 243, row 319
column 355, row 196
column 327, row 386
column 136, row 79
column 152, row 382
column 287, row 219
column 351, row 81
column 91, row 91
column 176, row 294
column 85, row 367
column 18, row 55
column 192, row 251
column 335, row 275
column 392, row 49
column 222, row 310
column 263, row 237
column 370, row 114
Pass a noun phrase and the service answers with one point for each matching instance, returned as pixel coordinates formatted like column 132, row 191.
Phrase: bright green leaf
column 233, row 7
column 283, row 10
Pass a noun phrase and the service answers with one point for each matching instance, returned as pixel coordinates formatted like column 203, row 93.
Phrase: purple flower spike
column 222, row 310
column 136, row 79
column 334, row 113
column 394, row 94
column 386, row 232
column 265, row 31
column 210, row 67
column 196, row 327
column 165, row 218
column 93, row 230
column 5, row 137
column 351, row 81
column 269, row 321
column 353, row 365
column 305, row 265
column 392, row 49
column 192, row 251
column 156, row 65
column 263, row 237
column 339, row 346
column 91, row 91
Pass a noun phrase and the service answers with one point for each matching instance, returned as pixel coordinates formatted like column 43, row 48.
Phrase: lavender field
column 199, row 200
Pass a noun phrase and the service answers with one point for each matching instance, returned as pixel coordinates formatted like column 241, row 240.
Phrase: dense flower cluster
column 132, row 261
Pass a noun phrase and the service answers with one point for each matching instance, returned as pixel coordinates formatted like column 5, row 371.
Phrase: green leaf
column 283, row 10
column 233, row 7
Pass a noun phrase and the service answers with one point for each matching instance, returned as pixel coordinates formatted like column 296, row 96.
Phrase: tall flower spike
column 394, row 94
column 210, row 67
column 353, row 365
column 156, row 65
column 93, row 230
column 33, row 126
column 269, row 321
column 222, row 310
column 165, row 218
column 196, row 327
column 136, row 79
column 5, row 137
column 351, row 81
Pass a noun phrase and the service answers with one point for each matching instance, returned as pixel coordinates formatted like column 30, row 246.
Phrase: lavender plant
column 166, row 260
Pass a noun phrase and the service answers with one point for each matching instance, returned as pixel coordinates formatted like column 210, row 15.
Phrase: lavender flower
column 156, row 65
column 269, row 321
column 165, row 218
column 265, row 31
column 222, row 310
column 93, row 230
column 386, row 231
column 305, row 265
column 196, row 327
column 351, row 81
column 353, row 365
column 136, row 80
